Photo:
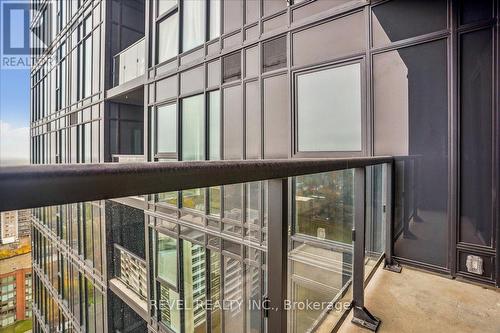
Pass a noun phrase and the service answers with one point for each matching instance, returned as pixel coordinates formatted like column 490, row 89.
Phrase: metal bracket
column 362, row 317
column 393, row 266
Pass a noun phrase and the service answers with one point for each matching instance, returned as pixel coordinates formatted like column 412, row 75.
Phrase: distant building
column 24, row 223
column 9, row 227
column 15, row 289
column 14, row 224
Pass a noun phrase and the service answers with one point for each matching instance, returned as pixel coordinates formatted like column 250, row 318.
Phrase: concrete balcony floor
column 416, row 301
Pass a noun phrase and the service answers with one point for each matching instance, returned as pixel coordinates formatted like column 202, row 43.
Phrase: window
column 167, row 259
column 170, row 315
column 165, row 5
column 233, row 201
column 215, row 290
column 417, row 76
column 168, row 38
column 214, row 124
column 233, row 15
column 274, row 54
column 233, row 276
column 193, row 24
column 329, row 109
column 232, row 67
column 214, row 146
column 214, row 18
column 87, row 143
column 166, row 129
column 89, row 237
column 397, row 20
column 193, row 145
column 86, row 59
column 193, row 129
column 476, row 138
column 194, row 287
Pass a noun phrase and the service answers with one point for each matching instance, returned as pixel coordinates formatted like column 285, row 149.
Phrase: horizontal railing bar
column 45, row 185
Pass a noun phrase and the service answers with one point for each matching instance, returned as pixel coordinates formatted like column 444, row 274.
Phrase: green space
column 18, row 327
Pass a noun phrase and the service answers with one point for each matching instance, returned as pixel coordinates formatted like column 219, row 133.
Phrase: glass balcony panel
column 130, row 63
column 195, row 263
column 131, row 270
column 324, row 205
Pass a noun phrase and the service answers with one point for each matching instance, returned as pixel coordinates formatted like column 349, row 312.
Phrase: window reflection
column 396, row 20
column 169, row 311
column 416, row 78
column 193, row 145
column 167, row 259
column 317, row 275
column 233, row 290
column 194, row 287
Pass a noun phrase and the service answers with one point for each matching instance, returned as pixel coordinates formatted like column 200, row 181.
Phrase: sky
column 14, row 108
column 14, row 116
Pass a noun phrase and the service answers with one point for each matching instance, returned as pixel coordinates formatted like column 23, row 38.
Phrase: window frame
column 159, row 20
column 166, row 155
column 157, row 278
column 179, row 10
column 296, row 153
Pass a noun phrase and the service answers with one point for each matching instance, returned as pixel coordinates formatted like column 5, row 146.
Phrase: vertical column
column 390, row 264
column 277, row 254
column 361, row 316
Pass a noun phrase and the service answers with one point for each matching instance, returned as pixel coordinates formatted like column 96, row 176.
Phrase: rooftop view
column 253, row 166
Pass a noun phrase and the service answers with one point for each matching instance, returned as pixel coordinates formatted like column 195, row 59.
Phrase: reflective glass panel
column 167, row 38
column 167, row 258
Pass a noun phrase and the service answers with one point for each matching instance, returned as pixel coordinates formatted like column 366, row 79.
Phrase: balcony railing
column 129, row 63
column 44, row 185
column 131, row 270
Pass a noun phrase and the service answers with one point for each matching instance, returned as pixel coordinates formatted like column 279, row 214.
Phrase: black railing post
column 361, row 316
column 390, row 264
column 277, row 254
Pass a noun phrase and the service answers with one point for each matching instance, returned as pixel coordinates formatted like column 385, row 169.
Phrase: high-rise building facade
column 15, row 290
column 189, row 80
column 24, row 223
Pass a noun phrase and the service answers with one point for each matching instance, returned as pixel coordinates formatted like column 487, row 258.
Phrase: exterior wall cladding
column 252, row 79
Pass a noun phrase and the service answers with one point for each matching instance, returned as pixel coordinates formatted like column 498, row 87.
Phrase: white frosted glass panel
column 193, row 129
column 167, row 38
column 193, row 24
column 329, row 109
column 167, row 128
column 214, row 19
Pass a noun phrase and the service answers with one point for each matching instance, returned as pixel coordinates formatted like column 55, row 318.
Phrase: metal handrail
column 44, row 185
